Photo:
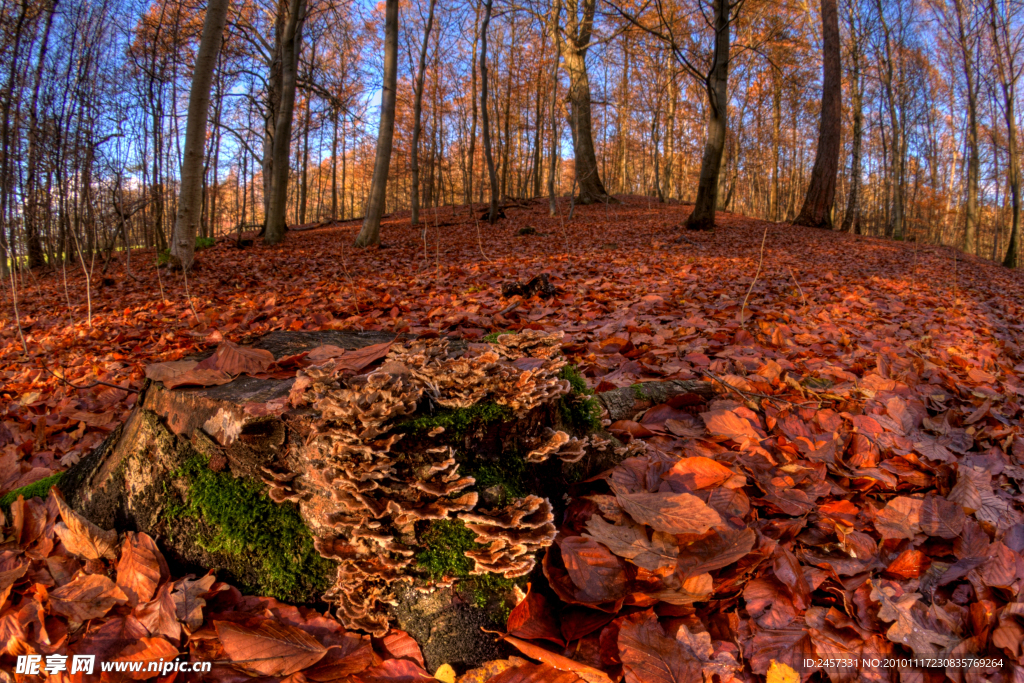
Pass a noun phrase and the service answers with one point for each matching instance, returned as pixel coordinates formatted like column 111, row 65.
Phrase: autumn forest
column 511, row 341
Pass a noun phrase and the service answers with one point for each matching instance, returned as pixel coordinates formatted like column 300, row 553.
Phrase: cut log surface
column 354, row 489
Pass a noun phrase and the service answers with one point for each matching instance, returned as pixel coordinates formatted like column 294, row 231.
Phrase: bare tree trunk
column 538, row 138
column 670, row 139
column 472, row 128
column 417, row 111
column 821, row 192
column 291, row 43
column 190, row 202
column 578, row 31
column 851, row 219
column 1005, row 43
column 492, row 211
column 370, row 234
column 717, row 86
column 556, row 10
column 334, row 169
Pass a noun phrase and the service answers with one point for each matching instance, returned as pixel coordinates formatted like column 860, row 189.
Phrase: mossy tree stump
column 419, row 493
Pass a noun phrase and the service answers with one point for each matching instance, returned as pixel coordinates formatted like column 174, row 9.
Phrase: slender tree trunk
column 473, row 118
column 417, row 110
column 291, row 44
column 538, row 138
column 851, row 219
column 190, row 203
column 33, row 240
column 1004, row 49
column 717, row 86
column 670, row 139
column 492, row 211
column 821, row 192
column 970, row 244
column 556, row 10
column 578, row 30
column 334, row 169
column 370, row 234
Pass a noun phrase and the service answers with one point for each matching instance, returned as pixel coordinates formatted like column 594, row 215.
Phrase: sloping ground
column 855, row 494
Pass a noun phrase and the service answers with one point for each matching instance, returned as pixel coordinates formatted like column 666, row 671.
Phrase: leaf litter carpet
column 853, row 494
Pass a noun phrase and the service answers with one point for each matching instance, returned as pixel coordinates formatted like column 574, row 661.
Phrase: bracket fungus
column 369, row 490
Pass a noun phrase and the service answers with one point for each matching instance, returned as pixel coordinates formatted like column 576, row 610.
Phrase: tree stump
column 419, row 493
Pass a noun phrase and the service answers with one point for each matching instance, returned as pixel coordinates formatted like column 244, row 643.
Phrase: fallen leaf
column 599, row 575
column 88, row 596
column 649, row 656
column 270, row 649
column 141, row 568
column 80, row 536
column 147, row 650
column 631, row 542
column 672, row 513
column 232, row 359
column 782, row 673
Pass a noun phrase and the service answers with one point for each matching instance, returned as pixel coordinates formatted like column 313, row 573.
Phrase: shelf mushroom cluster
column 363, row 497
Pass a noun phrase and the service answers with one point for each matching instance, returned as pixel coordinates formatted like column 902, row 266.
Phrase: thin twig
column 184, row 274
column 743, row 308
column 753, row 394
column 510, row 307
column 797, row 283
column 97, row 383
column 479, row 240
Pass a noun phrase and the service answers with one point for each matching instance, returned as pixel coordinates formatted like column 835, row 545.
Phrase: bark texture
column 717, row 87
column 821, row 192
column 579, row 26
column 190, row 197
column 291, row 44
column 370, row 234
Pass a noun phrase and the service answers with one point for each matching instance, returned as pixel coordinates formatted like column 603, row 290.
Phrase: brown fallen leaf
column 533, row 619
column 533, row 673
column 162, row 372
column 559, row 662
column 352, row 360
column 900, row 518
column 908, row 627
column 159, row 615
column 88, row 596
column 146, row 650
column 599, row 575
column 80, row 536
column 727, row 424
column 233, row 359
column 630, row 541
column 672, row 513
column 270, row 649
column 649, row 656
column 141, row 568
column 188, row 601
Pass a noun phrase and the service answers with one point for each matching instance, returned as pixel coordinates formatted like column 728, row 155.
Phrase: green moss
column 638, row 390
column 493, row 336
column 246, row 522
column 508, row 473
column 445, row 543
column 578, row 408
column 457, row 422
column 38, row 489
column 487, row 588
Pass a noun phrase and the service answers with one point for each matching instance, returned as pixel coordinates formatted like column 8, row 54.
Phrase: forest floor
column 836, row 328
